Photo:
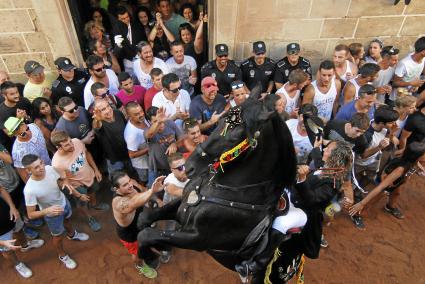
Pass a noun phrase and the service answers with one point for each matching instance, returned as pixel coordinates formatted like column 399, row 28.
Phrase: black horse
column 237, row 177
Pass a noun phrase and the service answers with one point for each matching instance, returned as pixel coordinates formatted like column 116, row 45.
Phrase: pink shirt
column 137, row 96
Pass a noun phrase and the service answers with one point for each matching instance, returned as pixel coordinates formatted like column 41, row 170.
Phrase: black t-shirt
column 5, row 113
column 73, row 89
column 416, row 124
column 335, row 130
column 111, row 136
column 5, row 223
column 224, row 79
column 284, row 68
column 253, row 73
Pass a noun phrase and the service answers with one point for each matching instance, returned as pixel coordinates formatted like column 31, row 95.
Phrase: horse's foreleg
column 167, row 212
column 159, row 239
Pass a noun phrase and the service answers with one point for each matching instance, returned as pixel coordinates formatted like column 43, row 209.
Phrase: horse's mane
column 251, row 110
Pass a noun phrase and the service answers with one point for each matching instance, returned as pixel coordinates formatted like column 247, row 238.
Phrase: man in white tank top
column 290, row 91
column 324, row 92
column 389, row 60
column 345, row 69
column 367, row 74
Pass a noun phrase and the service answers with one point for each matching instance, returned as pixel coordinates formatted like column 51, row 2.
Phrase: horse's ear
column 256, row 92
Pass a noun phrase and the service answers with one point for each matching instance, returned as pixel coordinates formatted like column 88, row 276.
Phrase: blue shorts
column 55, row 223
column 6, row 237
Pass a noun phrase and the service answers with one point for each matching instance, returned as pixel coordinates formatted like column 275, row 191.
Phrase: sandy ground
column 389, row 251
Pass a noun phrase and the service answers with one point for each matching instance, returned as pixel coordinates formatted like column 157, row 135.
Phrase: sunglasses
column 260, row 53
column 175, row 91
column 23, row 134
column 207, row 86
column 104, row 94
column 100, row 69
column 220, row 56
column 74, row 109
column 237, row 86
column 179, row 168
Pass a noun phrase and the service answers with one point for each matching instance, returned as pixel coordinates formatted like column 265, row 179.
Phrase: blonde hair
column 91, row 25
column 405, row 101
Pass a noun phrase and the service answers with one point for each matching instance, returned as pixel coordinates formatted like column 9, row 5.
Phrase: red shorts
column 131, row 247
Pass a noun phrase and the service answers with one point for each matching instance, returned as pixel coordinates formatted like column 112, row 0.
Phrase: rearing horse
column 254, row 159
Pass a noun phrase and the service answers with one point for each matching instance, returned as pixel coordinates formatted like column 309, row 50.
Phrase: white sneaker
column 33, row 244
column 23, row 270
column 68, row 262
column 79, row 236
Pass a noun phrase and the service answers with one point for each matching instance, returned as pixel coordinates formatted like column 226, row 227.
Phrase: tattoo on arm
column 123, row 205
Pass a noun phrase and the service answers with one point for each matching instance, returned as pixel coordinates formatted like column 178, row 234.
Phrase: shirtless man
column 345, row 69
column 127, row 205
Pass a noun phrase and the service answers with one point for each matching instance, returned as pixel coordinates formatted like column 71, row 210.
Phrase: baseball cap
column 63, row 63
column 221, row 49
column 259, row 47
column 209, row 84
column 389, row 50
column 12, row 124
column 293, row 48
column 33, row 67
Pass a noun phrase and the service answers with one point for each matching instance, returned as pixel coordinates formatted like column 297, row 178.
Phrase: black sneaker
column 394, row 211
column 358, row 222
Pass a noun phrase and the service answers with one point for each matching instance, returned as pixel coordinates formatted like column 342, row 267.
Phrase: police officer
column 224, row 70
column 291, row 62
column 70, row 83
column 258, row 68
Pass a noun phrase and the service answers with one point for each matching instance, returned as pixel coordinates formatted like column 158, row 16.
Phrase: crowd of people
column 145, row 99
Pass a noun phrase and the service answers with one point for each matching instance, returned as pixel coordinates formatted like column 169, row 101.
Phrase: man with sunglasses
column 98, row 73
column 239, row 94
column 258, row 68
column 289, row 63
column 208, row 107
column 222, row 69
column 29, row 140
column 174, row 184
column 75, row 121
column 173, row 99
column 100, row 92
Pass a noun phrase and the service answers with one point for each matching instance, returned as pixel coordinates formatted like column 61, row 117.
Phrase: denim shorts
column 6, row 237
column 55, row 223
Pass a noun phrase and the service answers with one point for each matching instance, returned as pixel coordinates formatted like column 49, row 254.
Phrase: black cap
column 221, row 49
column 64, row 64
column 389, row 50
column 33, row 67
column 293, row 48
column 259, row 47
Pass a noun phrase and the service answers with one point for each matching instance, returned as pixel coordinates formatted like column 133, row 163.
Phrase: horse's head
column 241, row 123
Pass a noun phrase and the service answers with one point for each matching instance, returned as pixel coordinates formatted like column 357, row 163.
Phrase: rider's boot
column 261, row 260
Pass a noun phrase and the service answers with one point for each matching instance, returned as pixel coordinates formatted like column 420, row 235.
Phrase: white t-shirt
column 46, row 192
column 136, row 141
column 113, row 87
column 171, row 179
column 343, row 77
column 384, row 78
column 376, row 139
column 324, row 102
column 145, row 79
column 183, row 71
column 408, row 70
column 291, row 103
column 301, row 143
column 182, row 102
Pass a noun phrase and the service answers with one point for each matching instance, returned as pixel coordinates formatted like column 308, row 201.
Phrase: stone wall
column 34, row 29
column 318, row 25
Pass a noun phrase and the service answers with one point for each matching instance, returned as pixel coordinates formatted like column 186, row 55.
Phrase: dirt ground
column 389, row 251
